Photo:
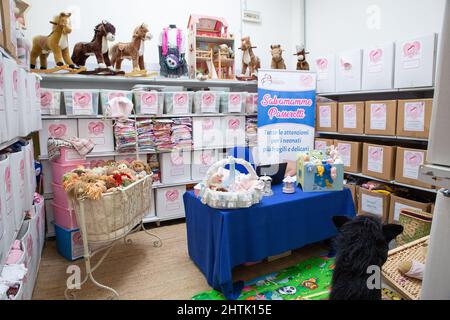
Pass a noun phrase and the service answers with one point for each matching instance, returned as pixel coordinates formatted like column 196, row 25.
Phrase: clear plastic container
column 148, row 102
column 233, row 102
column 81, row 102
column 178, row 102
column 207, row 101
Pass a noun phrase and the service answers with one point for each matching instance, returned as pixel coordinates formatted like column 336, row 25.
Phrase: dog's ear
column 391, row 231
column 339, row 221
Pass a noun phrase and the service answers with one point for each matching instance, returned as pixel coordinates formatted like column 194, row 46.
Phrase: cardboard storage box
column 2, row 37
column 348, row 70
column 175, row 167
column 378, row 67
column 325, row 67
column 99, row 131
column 399, row 203
column 379, row 161
column 381, row 117
column 407, row 166
column 413, row 118
column 351, row 117
column 373, row 204
column 350, row 153
column 322, row 144
column 326, row 119
column 353, row 190
column 415, row 61
column 9, row 27
column 169, row 203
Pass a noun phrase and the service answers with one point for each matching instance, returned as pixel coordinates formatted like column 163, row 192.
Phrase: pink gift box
column 69, row 156
column 59, row 170
column 60, row 196
column 64, row 217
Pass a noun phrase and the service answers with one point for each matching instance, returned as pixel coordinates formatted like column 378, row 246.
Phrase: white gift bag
column 17, row 163
column 25, row 114
column 3, row 127
column 11, row 79
column 7, row 201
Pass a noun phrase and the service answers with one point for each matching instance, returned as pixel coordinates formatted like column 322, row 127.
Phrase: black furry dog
column 361, row 243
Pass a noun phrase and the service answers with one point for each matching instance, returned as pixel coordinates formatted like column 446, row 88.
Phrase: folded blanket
column 82, row 146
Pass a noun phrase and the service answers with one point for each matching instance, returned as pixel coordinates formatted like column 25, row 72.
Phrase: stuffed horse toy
column 361, row 243
column 277, row 57
column 302, row 64
column 57, row 43
column 249, row 60
column 133, row 50
column 98, row 47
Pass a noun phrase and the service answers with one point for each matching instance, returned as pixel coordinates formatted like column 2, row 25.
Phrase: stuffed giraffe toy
column 57, row 43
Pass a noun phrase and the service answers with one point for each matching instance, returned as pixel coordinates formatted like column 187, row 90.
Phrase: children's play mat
column 308, row 280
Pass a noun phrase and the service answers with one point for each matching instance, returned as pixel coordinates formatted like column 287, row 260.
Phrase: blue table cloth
column 219, row 240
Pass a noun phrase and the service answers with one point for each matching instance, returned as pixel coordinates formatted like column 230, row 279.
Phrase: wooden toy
column 57, row 43
column 211, row 48
column 133, row 50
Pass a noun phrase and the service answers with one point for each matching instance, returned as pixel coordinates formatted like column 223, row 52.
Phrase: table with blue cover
column 219, row 240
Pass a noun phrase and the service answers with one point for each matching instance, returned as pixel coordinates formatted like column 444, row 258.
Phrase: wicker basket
column 406, row 286
column 416, row 224
column 115, row 214
column 230, row 200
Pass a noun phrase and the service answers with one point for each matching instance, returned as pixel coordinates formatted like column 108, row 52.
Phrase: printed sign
column 322, row 67
column 414, row 117
column 371, row 204
column 378, row 114
column 376, row 57
column 345, row 151
column 82, row 103
column 375, row 161
column 286, row 114
column 349, row 116
column 411, row 55
column 208, row 103
column 325, row 116
column 149, row 103
column 412, row 160
column 235, row 102
column 181, row 103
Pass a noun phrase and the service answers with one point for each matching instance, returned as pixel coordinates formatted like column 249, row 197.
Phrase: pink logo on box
column 234, row 124
column 350, row 111
column 57, row 130
column 113, row 95
column 207, row 124
column 96, row 128
column 2, row 79
column 346, row 65
column 206, row 158
column 379, row 112
column 325, row 112
column 410, row 50
column 176, row 159
column 415, row 112
column 235, row 99
column 306, row 80
column 22, row 170
column 37, row 87
column 343, row 150
column 375, row 154
column 8, row 179
column 208, row 99
column 414, row 159
column 375, row 55
column 46, row 99
column 15, row 81
column 149, row 99
column 180, row 99
column 322, row 64
column 82, row 99
column 172, row 195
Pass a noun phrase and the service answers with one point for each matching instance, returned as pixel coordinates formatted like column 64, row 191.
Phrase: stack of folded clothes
column 182, row 133
column 146, row 138
column 162, row 132
column 125, row 134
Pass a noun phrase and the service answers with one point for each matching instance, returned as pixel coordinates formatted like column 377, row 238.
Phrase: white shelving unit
column 60, row 81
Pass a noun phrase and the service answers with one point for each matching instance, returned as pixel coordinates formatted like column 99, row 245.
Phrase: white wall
column 333, row 26
column 278, row 24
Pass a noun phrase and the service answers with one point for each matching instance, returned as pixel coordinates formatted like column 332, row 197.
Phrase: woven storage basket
column 406, row 286
column 115, row 214
column 416, row 224
column 230, row 200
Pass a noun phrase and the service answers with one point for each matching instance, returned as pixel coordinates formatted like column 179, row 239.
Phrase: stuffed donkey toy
column 277, row 57
column 302, row 64
column 361, row 243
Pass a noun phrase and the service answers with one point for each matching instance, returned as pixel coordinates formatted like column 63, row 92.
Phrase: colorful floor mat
column 308, row 280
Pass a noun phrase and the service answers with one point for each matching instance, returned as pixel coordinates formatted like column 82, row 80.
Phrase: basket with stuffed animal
column 231, row 189
column 109, row 202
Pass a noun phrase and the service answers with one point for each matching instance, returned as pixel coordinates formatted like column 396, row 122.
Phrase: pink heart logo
column 206, row 158
column 37, row 87
column 350, row 111
column 379, row 112
column 209, row 99
column 113, row 95
column 149, row 99
column 346, row 65
column 411, row 50
column 375, row 55
column 322, row 64
column 343, row 150
column 207, row 124
column 172, row 195
column 375, row 154
column 46, row 99
column 57, row 130
column 235, row 99
column 82, row 99
column 176, row 159
column 325, row 111
column 22, row 170
column 413, row 159
column 8, row 179
column 306, row 80
column 180, row 99
column 414, row 111
column 234, row 124
column 96, row 128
